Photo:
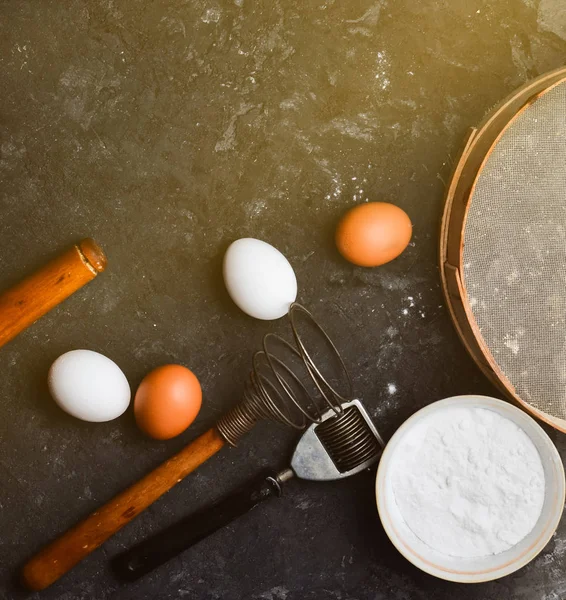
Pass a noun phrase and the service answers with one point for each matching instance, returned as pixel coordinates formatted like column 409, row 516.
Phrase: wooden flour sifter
column 503, row 250
column 286, row 385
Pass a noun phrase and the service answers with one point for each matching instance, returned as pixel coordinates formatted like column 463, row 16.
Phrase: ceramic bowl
column 486, row 568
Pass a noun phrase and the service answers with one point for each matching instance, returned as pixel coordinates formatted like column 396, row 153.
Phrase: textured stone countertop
column 165, row 130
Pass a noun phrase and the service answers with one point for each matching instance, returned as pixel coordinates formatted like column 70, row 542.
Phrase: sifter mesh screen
column 514, row 255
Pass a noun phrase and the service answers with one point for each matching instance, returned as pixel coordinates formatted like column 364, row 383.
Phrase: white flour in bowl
column 468, row 482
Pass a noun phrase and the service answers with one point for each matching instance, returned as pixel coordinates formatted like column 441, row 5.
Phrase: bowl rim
column 501, row 407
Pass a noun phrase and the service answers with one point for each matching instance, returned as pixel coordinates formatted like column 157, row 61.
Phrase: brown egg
column 372, row 234
column 167, row 401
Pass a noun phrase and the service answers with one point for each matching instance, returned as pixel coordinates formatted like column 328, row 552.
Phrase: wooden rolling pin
column 65, row 552
column 37, row 294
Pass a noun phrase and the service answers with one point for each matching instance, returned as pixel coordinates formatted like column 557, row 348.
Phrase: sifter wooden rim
column 478, row 145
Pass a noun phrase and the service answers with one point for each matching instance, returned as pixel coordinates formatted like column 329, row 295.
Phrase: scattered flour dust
column 468, row 482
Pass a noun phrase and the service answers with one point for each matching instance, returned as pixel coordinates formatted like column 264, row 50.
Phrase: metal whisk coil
column 275, row 391
column 348, row 439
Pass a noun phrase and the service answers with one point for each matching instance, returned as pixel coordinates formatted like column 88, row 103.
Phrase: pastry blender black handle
column 158, row 549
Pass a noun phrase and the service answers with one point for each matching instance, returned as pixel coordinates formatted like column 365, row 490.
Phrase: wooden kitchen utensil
column 65, row 552
column 275, row 391
column 37, row 294
column 503, row 250
column 339, row 447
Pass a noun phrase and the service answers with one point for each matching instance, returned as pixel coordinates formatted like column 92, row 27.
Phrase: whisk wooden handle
column 41, row 291
column 64, row 553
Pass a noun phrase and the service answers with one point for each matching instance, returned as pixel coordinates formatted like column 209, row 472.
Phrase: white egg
column 89, row 386
column 259, row 279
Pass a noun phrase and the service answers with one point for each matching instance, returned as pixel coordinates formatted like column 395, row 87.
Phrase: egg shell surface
column 167, row 401
column 259, row 279
column 89, row 386
column 373, row 234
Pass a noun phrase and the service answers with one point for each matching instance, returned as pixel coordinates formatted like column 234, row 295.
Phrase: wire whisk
column 276, row 391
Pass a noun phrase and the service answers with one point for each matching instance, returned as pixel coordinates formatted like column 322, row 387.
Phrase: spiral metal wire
column 275, row 391
column 349, row 440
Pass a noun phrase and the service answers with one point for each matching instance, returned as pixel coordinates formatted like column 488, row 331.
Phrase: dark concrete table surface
column 167, row 129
